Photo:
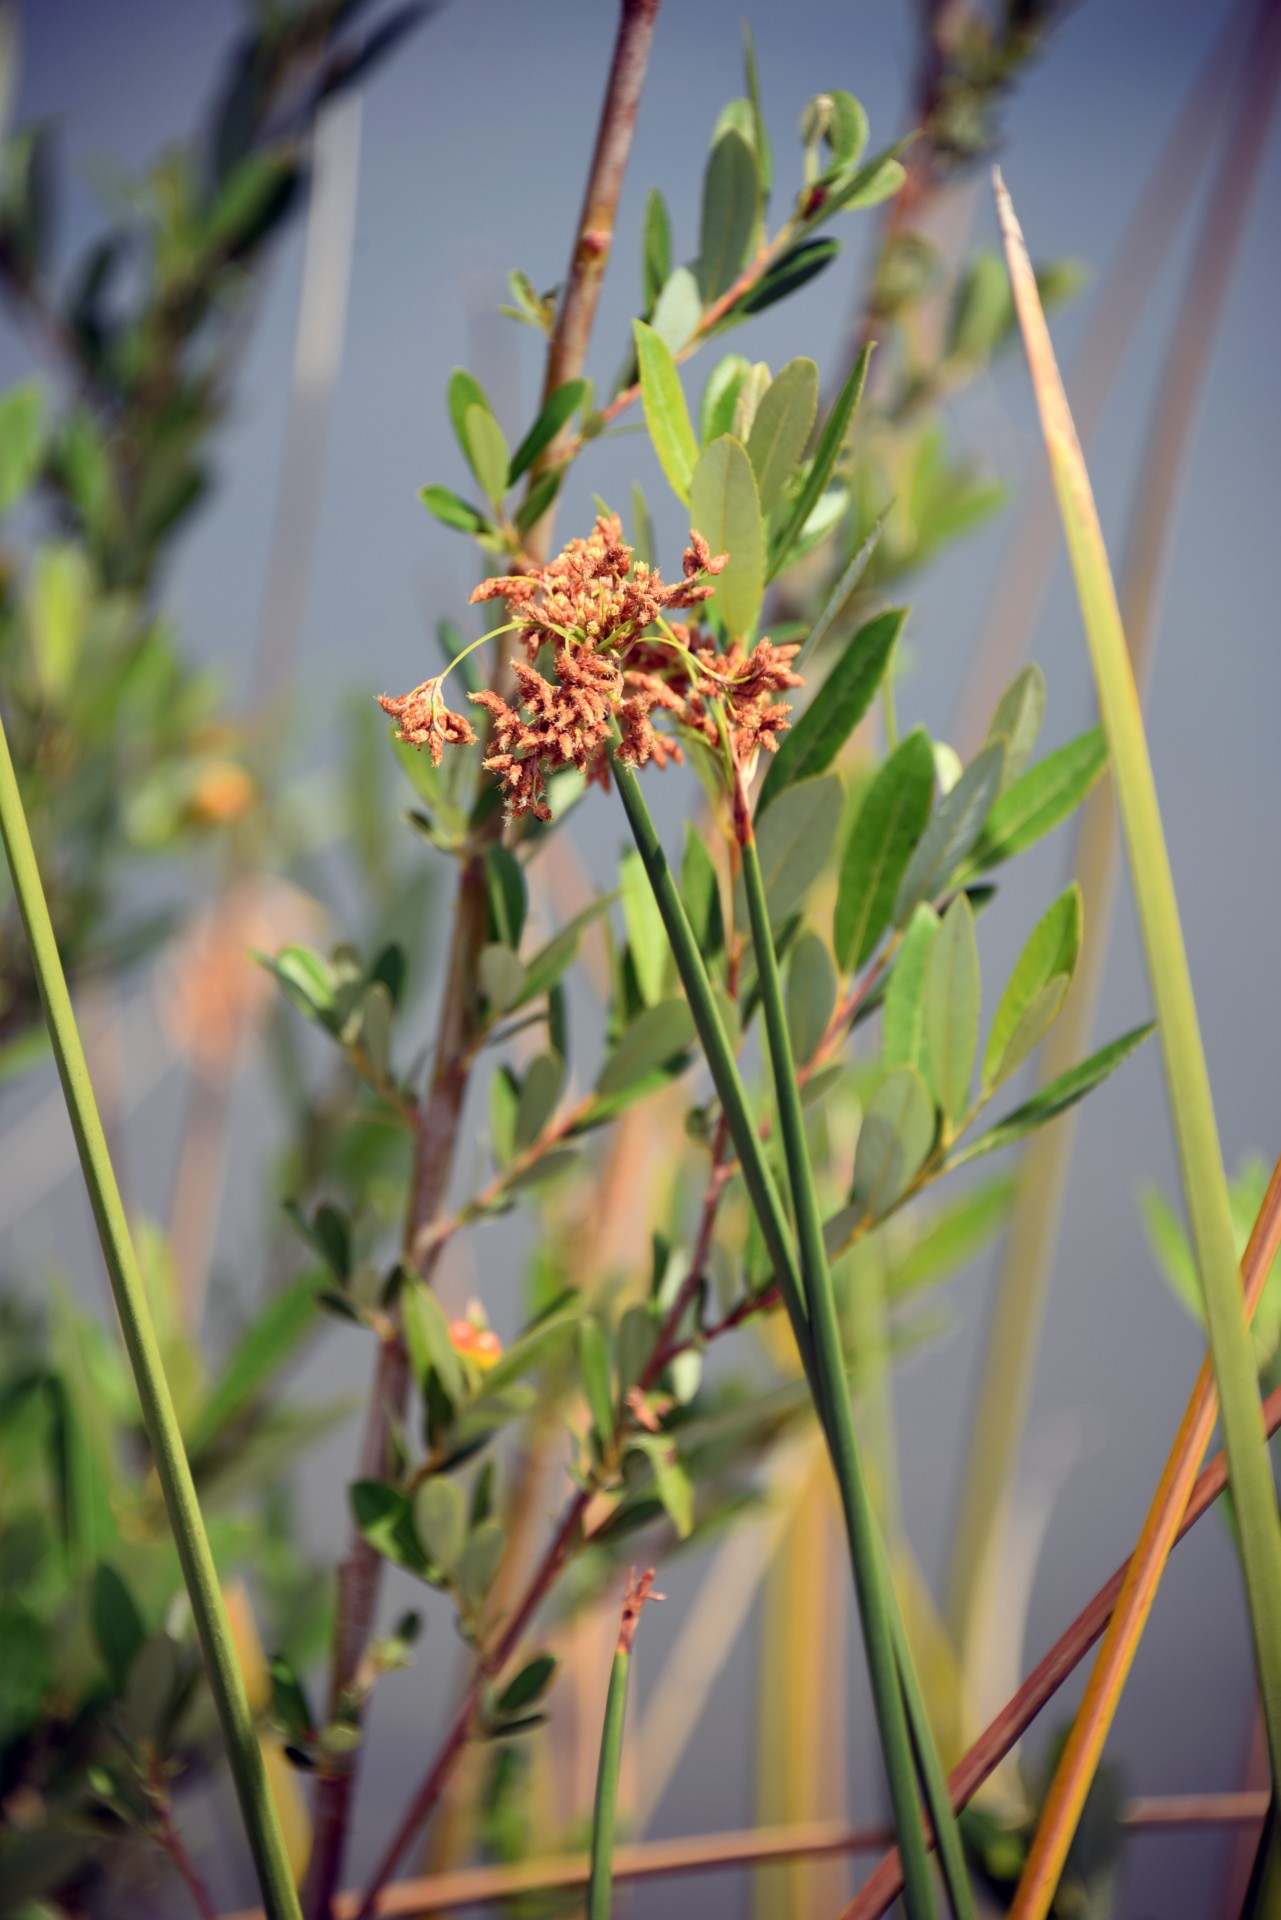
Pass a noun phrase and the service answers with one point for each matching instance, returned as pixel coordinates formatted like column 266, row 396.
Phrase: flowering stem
column 889, row 1663
column 172, row 1467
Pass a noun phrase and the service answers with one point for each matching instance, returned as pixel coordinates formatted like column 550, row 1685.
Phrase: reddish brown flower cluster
column 592, row 593
column 425, row 721
column 595, row 608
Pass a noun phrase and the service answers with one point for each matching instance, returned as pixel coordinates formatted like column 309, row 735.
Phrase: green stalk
column 730, row 1090
column 1192, row 1108
column 888, row 1659
column 600, row 1885
column 225, row 1681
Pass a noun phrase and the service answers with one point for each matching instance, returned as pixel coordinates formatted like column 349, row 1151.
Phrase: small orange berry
column 487, row 1349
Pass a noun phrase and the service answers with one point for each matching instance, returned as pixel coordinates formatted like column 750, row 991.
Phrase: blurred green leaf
column 894, row 1142
column 454, row 512
column 474, row 1574
column 903, row 1018
column 811, row 995
column 781, row 429
column 427, row 1337
column 887, row 827
column 118, row 1627
column 674, row 1486
column 789, row 273
column 831, row 440
column 557, row 413
column 656, row 248
column 701, row 895
column 440, row 1517
column 594, row 1371
column 646, row 937
column 385, row 1518
column 1055, row 1098
column 666, row 414
column 487, row 447
column 952, row 1010
column 793, row 842
column 271, row 1339
column 952, row 1237
column 678, row 310
column 957, row 823
column 1050, row 955
column 529, row 1685
column 1040, row 800
column 539, row 1092
column 731, row 210
column 1017, row 721
column 725, row 508
column 21, row 441
column 657, row 1038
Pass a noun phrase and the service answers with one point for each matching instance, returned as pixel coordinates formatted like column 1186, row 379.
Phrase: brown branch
column 439, row 1122
column 169, row 1839
column 713, row 1852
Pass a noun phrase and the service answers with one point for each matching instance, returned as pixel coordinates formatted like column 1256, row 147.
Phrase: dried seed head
column 639, row 1592
column 424, row 720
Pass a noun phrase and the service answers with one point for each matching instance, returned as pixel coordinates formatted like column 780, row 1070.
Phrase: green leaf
column 830, row 442
column 701, row 895
column 504, row 1097
column 865, row 186
column 781, row 429
column 811, row 995
column 1167, row 1237
column 307, row 981
column 118, row 1628
column 440, row 1517
column 789, row 273
column 427, row 1337
column 887, row 827
column 507, row 895
column 21, row 441
column 541, row 494
column 794, row 840
column 894, row 1142
column 1040, row 800
column 269, row 1341
column 957, row 823
column 903, row 1018
column 835, row 710
column 842, row 592
column 289, row 1703
column 539, row 1092
column 490, row 459
column 1017, row 721
column 720, row 397
column 454, row 511
column 474, row 1575
column 731, row 210
column 657, row 1038
column 847, row 128
column 673, row 1485
column 760, row 137
column 952, row 1010
column 594, row 1371
column 677, row 310
column 59, row 603
column 666, row 414
column 656, row 248
column 1056, row 1098
column 385, row 1518
column 725, row 508
column 558, row 412
column 529, row 1686
column 634, row 1346
column 537, row 1343
column 647, row 940
column 956, row 1233
column 465, row 391
column 548, row 965
column 1051, row 952
column 502, row 977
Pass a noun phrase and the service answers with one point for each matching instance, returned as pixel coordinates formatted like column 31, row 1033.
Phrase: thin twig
column 717, row 1852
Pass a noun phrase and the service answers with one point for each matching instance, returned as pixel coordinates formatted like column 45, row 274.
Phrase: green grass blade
column 172, row 1468
column 600, row 1886
column 1196, row 1134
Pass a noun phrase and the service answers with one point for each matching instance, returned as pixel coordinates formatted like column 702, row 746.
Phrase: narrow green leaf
column 594, row 1371
column 656, row 248
column 811, row 995
column 789, row 273
column 529, row 1686
column 894, row 1142
column 1051, row 950
column 957, row 823
column 656, row 1038
column 489, row 456
column 953, row 1236
column 427, row 1337
column 720, row 397
column 903, row 1018
column 479, row 1561
column 1049, row 1101
column 465, row 391
column 678, row 310
column 701, row 894
column 118, row 1627
column 731, row 210
column 1017, row 720
column 267, row 1343
column 831, row 440
column 811, row 745
column 794, row 839
column 781, row 429
column 453, row 511
column 542, row 493
column 386, row 1519
column 843, row 591
column 1040, row 800
column 866, row 186
column 760, row 135
column 725, row 508
column 558, row 412
column 539, row 1092
column 889, row 822
column 666, row 414
column 674, row 1487
column 1168, row 1240
column 21, row 441
column 952, row 1010
column 646, row 938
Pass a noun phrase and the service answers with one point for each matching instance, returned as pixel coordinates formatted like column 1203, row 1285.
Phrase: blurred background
column 465, row 158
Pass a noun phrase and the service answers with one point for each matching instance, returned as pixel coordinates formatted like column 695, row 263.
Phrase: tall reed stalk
column 172, row 1468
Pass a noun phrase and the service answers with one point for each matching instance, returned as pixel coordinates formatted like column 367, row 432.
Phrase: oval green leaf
column 887, row 827
column 725, row 508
